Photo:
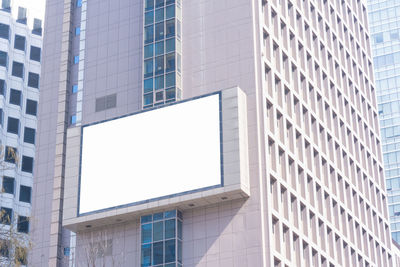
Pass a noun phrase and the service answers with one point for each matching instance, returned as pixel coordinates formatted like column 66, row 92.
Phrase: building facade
column 385, row 41
column 20, row 59
column 300, row 160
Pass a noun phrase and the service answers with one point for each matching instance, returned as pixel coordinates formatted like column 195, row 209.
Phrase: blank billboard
column 150, row 155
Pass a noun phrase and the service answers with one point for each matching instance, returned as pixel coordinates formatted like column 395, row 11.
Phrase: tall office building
column 384, row 18
column 20, row 56
column 208, row 133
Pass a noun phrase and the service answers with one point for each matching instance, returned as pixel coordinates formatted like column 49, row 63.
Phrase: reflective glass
column 168, row 2
column 149, row 34
column 158, row 253
column 146, row 233
column 158, row 229
column 148, row 68
column 159, row 15
column 146, row 255
column 149, row 4
column 170, row 28
column 148, row 51
column 148, row 85
column 170, row 62
column 170, row 214
column 170, row 45
column 170, row 93
column 149, row 18
column 158, row 216
column 148, row 99
column 159, row 82
column 146, row 218
column 170, row 79
column 159, row 48
column 170, row 229
column 179, row 229
column 159, row 65
column 159, row 3
column 159, row 31
column 169, row 250
column 170, row 12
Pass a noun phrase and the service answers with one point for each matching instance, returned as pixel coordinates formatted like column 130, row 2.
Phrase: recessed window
column 13, row 125
column 23, row 224
column 33, row 80
column 21, row 15
column 2, row 87
column 73, row 119
column 25, row 194
column 37, row 27
column 5, row 5
column 27, row 164
column 78, row 3
column 29, row 135
column 15, row 97
column 3, row 59
column 6, row 215
column 4, row 31
column 76, row 59
column 8, row 185
column 10, row 154
column 35, row 53
column 31, row 107
column 77, row 30
column 74, row 88
column 18, row 69
column 19, row 42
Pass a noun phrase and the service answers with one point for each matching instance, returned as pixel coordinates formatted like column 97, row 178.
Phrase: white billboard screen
column 150, row 155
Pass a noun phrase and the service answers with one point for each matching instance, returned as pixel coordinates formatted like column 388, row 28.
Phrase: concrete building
column 299, row 179
column 20, row 57
column 385, row 31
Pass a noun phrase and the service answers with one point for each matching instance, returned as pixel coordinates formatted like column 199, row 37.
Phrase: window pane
column 170, row 229
column 148, row 68
column 148, row 99
column 148, row 85
column 170, row 45
column 169, row 250
column 4, row 31
column 149, row 4
column 3, row 59
column 146, row 233
column 170, row 62
column 170, row 93
column 27, row 164
column 146, row 218
column 15, row 97
column 159, row 31
column 179, row 229
column 146, row 255
column 148, row 51
column 170, row 28
column 13, row 125
column 23, row 224
column 159, row 15
column 148, row 34
column 6, row 215
column 158, row 253
column 31, row 107
column 35, row 53
column 158, row 231
column 170, row 12
column 159, row 67
column 170, row 2
column 159, row 3
column 158, row 216
column 25, row 194
column 29, row 135
column 170, row 80
column 18, row 69
column 8, row 185
column 10, row 154
column 159, row 48
column 19, row 42
column 2, row 87
column 33, row 80
column 149, row 18
column 159, row 82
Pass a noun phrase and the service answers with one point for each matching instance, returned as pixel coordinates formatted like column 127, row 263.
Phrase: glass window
column 169, row 2
column 25, row 194
column 33, row 80
column 29, row 135
column 2, row 87
column 19, row 42
column 149, row 34
column 37, row 27
column 158, row 253
column 170, row 62
column 169, row 250
column 170, row 12
column 170, row 45
column 148, row 99
column 18, row 69
column 148, row 51
column 159, row 15
column 159, row 66
column 15, row 97
column 73, row 119
column 146, row 233
column 5, row 5
column 158, row 231
column 149, row 5
column 76, row 59
column 35, row 53
column 78, row 3
column 148, row 85
column 159, row 82
column 10, row 154
column 21, row 15
column 170, row 229
column 77, row 30
column 23, row 224
column 3, row 59
column 148, row 68
column 159, row 31
column 13, row 125
column 159, row 3
column 159, row 48
column 8, row 185
column 146, row 255
column 27, row 164
column 170, row 93
column 6, row 215
column 159, row 96
column 170, row 79
column 74, row 88
column 31, row 107
column 170, row 28
column 149, row 18
column 4, row 31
